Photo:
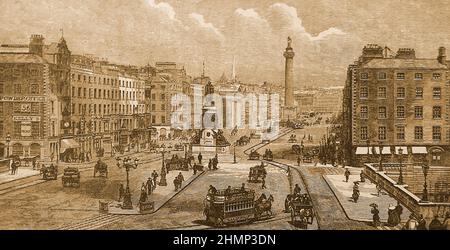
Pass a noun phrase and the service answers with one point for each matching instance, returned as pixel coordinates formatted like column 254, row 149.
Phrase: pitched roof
column 404, row 63
column 52, row 48
column 20, row 58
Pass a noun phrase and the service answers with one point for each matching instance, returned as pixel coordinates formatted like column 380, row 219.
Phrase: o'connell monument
column 289, row 108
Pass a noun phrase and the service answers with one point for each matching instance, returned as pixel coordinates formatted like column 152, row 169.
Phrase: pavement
column 22, row 172
column 360, row 211
column 160, row 196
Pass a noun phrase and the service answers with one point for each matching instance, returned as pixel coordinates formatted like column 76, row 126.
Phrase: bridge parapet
column 400, row 192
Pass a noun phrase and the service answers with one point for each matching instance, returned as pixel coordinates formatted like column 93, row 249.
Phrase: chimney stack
column 37, row 44
column 442, row 58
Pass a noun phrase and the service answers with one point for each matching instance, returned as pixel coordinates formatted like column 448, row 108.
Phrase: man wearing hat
column 412, row 223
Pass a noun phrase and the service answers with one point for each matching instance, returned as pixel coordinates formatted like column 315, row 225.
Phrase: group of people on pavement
column 414, row 222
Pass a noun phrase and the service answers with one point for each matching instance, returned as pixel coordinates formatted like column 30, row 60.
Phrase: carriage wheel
column 220, row 223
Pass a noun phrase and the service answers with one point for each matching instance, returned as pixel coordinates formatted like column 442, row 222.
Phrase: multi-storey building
column 107, row 105
column 396, row 102
column 35, row 99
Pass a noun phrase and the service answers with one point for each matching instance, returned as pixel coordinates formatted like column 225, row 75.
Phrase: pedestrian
column 200, row 157
column 228, row 190
column 212, row 189
column 347, row 174
column 210, row 164
column 361, row 176
column 242, row 187
column 143, row 197
column 155, row 177
column 263, row 183
column 398, row 213
column 298, row 161
column 446, row 223
column 376, row 215
column 34, row 163
column 121, row 192
column 422, row 225
column 435, row 224
column 149, row 186
column 297, row 190
column 181, row 178
column 411, row 224
column 195, row 170
column 379, row 189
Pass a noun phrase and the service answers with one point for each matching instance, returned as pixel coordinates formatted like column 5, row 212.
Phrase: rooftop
column 382, row 63
column 20, row 58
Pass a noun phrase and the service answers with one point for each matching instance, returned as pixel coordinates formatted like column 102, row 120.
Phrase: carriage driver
column 297, row 190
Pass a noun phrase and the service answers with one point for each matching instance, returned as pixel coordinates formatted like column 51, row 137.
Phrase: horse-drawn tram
column 236, row 206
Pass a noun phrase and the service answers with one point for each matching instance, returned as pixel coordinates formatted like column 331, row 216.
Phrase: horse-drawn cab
column 49, row 172
column 292, row 138
column 254, row 155
column 244, row 140
column 229, row 206
column 102, row 168
column 71, row 177
column 268, row 155
column 257, row 173
column 301, row 208
column 177, row 163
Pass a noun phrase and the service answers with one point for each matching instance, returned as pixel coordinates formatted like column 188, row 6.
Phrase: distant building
column 396, row 101
column 321, row 100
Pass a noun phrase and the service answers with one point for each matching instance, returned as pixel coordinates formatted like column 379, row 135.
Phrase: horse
column 101, row 167
column 264, row 206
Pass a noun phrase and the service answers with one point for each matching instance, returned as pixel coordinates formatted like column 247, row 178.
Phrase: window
column 364, row 133
column 381, row 133
column 163, row 119
column 364, row 76
column 400, row 92
column 437, row 93
column 1, row 87
column 382, row 92
column 400, row 133
column 418, row 112
column 400, row 111
column 17, row 89
column 1, row 107
column 418, row 133
column 163, row 96
column 436, row 76
column 34, row 89
column 364, row 93
column 418, row 76
column 364, row 112
column 163, row 107
column 382, row 113
column 400, row 76
column 382, row 76
column 419, row 92
column 436, row 133
column 1, row 128
column 437, row 112
column 153, row 96
column 153, row 107
column 153, row 119
column 79, row 92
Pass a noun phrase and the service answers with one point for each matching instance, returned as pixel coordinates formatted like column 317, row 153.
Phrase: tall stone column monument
column 289, row 108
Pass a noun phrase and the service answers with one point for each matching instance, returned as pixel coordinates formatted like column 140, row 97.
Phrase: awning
column 405, row 150
column 362, row 151
column 68, row 143
column 419, row 150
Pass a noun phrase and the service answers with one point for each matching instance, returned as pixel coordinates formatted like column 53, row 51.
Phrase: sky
column 328, row 35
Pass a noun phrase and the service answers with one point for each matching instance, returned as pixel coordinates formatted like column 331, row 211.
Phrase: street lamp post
column 380, row 166
column 400, row 177
column 234, row 155
column 128, row 164
column 8, row 140
column 163, row 181
column 425, row 169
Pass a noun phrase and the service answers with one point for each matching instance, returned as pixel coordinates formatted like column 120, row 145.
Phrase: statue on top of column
column 289, row 41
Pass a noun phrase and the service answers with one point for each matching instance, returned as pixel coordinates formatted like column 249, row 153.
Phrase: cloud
column 285, row 17
column 249, row 13
column 164, row 8
column 200, row 21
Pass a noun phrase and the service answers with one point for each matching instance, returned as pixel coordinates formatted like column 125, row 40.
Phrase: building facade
column 396, row 102
column 34, row 99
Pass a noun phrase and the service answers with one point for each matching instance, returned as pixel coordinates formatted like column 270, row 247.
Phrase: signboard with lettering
column 25, row 129
column 22, row 98
column 26, row 118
